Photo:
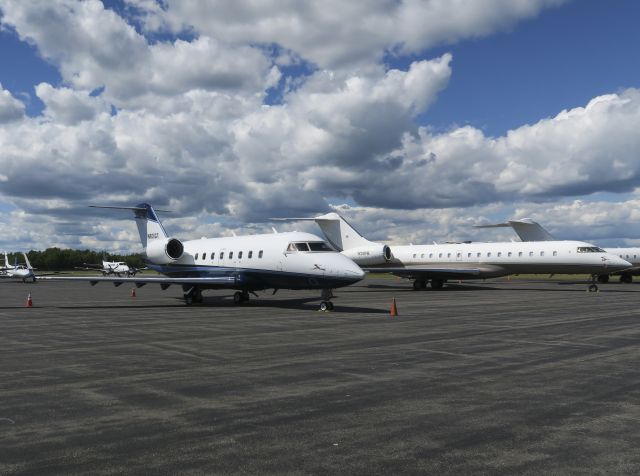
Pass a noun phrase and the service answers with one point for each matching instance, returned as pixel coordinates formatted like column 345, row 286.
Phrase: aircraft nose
column 350, row 269
column 615, row 263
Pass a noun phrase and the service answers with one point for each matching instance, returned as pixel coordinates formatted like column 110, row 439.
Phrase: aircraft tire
column 437, row 284
column 593, row 288
column 626, row 278
column 324, row 306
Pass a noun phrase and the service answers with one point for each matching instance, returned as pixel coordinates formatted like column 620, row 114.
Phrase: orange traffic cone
column 133, row 292
column 394, row 309
column 29, row 302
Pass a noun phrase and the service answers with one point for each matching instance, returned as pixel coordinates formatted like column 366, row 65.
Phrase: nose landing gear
column 326, row 305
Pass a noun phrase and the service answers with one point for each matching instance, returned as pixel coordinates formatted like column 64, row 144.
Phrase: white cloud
column 68, row 106
column 340, row 35
column 192, row 131
column 10, row 108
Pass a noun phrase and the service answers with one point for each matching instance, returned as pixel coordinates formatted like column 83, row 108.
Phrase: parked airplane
column 438, row 263
column 244, row 263
column 113, row 268
column 19, row 271
column 529, row 230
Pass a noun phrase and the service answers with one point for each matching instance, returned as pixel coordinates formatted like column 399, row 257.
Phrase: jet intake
column 369, row 255
column 165, row 251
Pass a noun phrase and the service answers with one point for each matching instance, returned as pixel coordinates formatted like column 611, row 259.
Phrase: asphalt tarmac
column 503, row 377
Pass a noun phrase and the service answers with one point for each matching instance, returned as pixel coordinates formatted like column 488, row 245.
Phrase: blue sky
column 415, row 154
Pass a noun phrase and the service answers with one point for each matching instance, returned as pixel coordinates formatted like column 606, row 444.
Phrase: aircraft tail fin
column 525, row 228
column 149, row 226
column 338, row 231
column 26, row 260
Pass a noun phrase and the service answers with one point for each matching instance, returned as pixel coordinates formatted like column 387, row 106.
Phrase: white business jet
column 245, row 263
column 112, row 268
column 438, row 263
column 19, row 271
column 530, row 230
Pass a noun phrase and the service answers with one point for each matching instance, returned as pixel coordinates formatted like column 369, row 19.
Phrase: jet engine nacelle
column 165, row 251
column 369, row 255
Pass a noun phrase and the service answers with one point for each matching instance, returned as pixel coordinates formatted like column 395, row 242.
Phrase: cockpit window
column 319, row 246
column 311, row 246
column 590, row 249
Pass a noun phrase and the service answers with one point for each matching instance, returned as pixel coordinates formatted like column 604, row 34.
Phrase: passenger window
column 240, row 255
column 439, row 255
column 222, row 255
column 230, row 254
column 479, row 255
column 519, row 253
column 414, row 255
column 213, row 255
column 459, row 255
column 542, row 253
column 509, row 254
column 430, row 255
column 196, row 257
column 489, row 254
column 260, row 254
column 499, row 254
column 204, row 256
column 555, row 253
column 448, row 255
column 422, row 255
column 530, row 253
column 250, row 254
column 468, row 255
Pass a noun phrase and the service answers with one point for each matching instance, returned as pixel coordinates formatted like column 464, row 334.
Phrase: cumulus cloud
column 183, row 122
column 335, row 34
column 10, row 108
column 69, row 106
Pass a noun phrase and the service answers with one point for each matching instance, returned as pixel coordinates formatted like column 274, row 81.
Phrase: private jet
column 530, row 230
column 247, row 264
column 112, row 268
column 437, row 263
column 23, row 272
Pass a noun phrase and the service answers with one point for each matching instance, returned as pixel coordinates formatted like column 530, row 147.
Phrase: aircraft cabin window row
column 221, row 256
column 500, row 254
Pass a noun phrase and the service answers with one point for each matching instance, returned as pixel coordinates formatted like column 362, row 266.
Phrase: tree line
column 56, row 259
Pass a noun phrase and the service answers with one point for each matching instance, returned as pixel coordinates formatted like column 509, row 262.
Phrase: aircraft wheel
column 326, row 306
column 188, row 300
column 237, row 297
column 437, row 284
column 603, row 278
column 626, row 278
column 593, row 288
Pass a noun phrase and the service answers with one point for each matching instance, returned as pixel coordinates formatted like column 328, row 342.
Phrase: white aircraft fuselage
column 504, row 258
column 265, row 261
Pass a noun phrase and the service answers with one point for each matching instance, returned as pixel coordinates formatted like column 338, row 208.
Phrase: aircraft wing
column 163, row 281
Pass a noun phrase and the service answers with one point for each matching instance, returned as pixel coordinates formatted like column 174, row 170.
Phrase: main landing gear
column 421, row 284
column 240, row 296
column 192, row 295
column 326, row 305
column 593, row 287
